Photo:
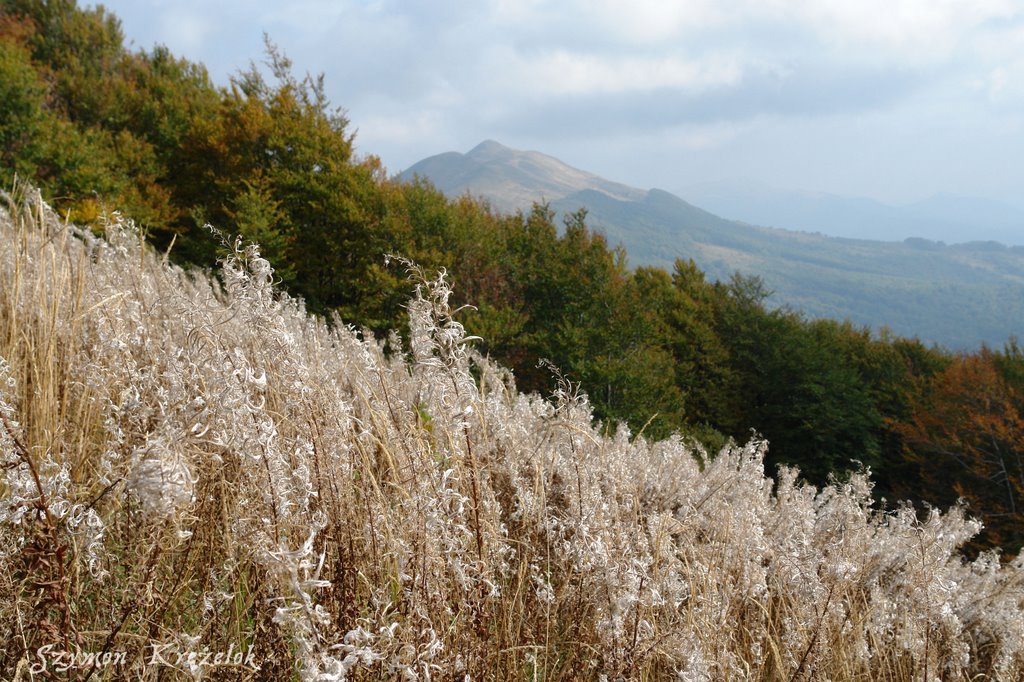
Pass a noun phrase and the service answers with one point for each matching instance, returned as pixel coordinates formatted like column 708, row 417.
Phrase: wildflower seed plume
column 192, row 463
column 161, row 480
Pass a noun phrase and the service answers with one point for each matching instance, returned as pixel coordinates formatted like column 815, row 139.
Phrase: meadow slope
column 196, row 465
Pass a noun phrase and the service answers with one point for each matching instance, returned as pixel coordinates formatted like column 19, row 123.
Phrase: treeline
column 100, row 127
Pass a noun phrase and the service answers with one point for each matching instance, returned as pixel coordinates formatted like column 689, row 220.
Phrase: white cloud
column 570, row 73
column 401, row 127
column 921, row 31
column 698, row 78
column 999, row 76
column 1002, row 88
column 997, row 82
column 647, row 21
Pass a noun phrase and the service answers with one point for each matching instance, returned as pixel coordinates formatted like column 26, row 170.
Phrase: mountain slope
column 959, row 296
column 510, row 179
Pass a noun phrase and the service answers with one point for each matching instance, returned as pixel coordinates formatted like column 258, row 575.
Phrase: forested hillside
column 959, row 296
column 99, row 127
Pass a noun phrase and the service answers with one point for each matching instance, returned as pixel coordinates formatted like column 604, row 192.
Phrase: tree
column 966, row 436
column 277, row 162
column 796, row 383
column 23, row 121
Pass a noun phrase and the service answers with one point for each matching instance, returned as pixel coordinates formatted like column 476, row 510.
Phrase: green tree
column 23, row 121
column 278, row 158
column 797, row 384
column 703, row 370
column 80, row 49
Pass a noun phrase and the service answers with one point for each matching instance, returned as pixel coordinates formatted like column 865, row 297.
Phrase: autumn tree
column 966, row 436
column 92, row 124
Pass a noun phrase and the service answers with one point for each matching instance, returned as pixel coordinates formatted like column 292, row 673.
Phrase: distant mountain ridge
column 942, row 217
column 959, row 296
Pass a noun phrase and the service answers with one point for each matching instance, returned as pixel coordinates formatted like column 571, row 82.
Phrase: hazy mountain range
column 942, row 217
column 958, row 295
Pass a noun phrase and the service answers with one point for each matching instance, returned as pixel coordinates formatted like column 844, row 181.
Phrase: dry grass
column 200, row 467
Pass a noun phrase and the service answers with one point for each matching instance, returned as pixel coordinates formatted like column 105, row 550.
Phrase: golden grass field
column 201, row 481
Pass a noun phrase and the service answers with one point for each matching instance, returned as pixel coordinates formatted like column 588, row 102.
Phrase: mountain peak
column 512, row 179
column 488, row 148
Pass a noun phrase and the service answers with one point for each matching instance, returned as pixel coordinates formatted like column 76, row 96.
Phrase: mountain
column 959, row 296
column 943, row 217
column 510, row 179
column 971, row 218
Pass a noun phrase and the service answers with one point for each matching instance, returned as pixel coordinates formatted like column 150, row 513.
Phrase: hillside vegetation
column 197, row 465
column 960, row 296
column 99, row 127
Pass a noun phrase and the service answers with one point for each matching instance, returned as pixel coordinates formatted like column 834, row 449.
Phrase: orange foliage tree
column 966, row 434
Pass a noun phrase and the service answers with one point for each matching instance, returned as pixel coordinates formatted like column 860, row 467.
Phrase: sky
column 890, row 99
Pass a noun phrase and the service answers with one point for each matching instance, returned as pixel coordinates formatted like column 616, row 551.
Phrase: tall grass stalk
column 194, row 464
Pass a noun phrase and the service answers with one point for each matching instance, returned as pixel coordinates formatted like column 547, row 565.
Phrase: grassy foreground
column 201, row 481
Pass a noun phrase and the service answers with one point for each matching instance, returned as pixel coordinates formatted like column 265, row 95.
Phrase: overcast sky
column 891, row 99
